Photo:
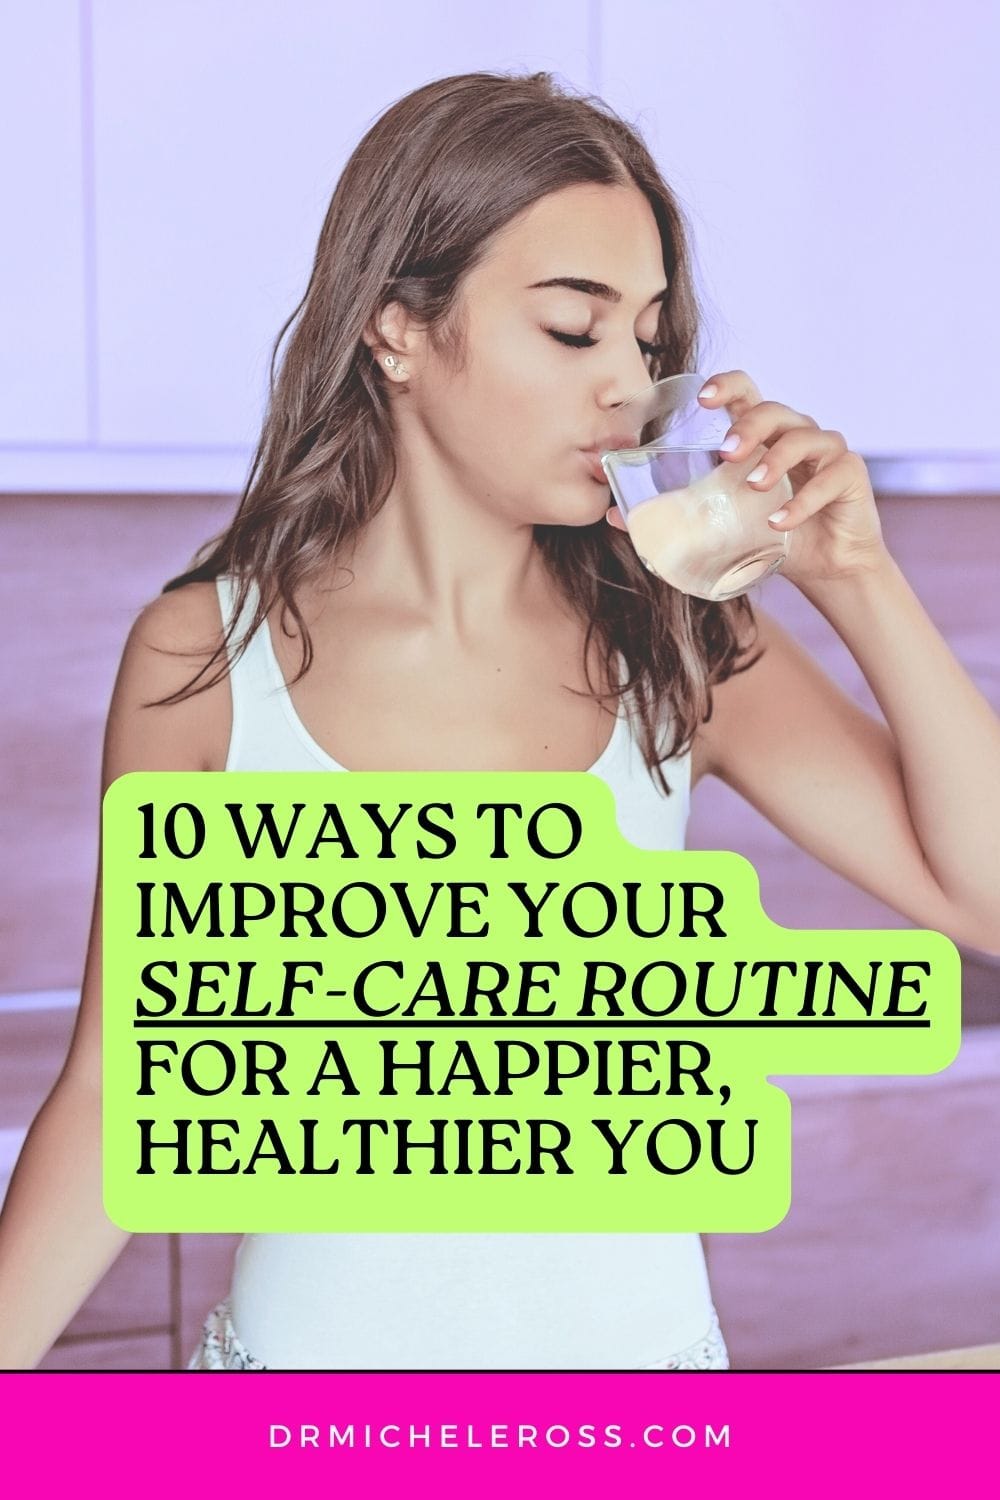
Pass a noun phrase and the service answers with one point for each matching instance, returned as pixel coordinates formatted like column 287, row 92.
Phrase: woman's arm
column 908, row 810
column 56, row 1242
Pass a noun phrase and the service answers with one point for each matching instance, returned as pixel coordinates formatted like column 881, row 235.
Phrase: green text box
column 432, row 1001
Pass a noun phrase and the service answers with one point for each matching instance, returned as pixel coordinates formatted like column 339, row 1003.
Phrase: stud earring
column 393, row 364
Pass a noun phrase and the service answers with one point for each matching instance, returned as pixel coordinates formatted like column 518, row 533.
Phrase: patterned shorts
column 707, row 1353
column 221, row 1349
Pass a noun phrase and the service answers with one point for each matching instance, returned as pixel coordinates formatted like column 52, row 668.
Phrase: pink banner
column 497, row 1434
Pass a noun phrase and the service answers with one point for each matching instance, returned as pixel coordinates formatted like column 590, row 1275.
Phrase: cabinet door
column 837, row 168
column 45, row 269
column 220, row 134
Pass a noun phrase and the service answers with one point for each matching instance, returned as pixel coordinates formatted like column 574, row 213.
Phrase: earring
column 394, row 364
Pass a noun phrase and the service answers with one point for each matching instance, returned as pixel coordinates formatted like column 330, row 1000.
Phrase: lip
column 608, row 444
column 594, row 465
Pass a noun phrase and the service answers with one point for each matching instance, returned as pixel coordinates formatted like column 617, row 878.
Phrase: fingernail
column 731, row 444
column 779, row 515
column 756, row 475
column 709, row 391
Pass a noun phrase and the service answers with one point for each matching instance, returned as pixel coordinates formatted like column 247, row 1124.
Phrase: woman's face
column 513, row 426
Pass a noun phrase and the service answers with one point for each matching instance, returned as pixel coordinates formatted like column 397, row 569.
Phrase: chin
column 599, row 501
column 577, row 519
column 574, row 504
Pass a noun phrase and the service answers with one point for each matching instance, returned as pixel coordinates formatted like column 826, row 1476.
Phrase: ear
column 393, row 330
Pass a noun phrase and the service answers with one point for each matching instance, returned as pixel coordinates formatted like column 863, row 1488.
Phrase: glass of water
column 692, row 519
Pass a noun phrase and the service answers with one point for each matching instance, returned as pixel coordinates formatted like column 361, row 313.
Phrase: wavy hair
column 441, row 172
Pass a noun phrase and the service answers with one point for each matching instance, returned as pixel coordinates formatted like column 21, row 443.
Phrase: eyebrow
column 592, row 288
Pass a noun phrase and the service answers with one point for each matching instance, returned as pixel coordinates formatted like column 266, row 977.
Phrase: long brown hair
column 438, row 174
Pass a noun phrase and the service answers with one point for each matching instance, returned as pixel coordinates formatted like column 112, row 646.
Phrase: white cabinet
column 45, row 271
column 839, row 162
column 169, row 163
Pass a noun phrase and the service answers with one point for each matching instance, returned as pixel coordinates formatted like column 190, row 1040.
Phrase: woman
column 420, row 577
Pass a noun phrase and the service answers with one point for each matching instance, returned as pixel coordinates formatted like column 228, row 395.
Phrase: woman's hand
column 833, row 521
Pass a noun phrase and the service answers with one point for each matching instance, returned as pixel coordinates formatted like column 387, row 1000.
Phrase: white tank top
column 460, row 1301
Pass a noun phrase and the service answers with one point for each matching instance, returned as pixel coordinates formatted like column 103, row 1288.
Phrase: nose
column 632, row 379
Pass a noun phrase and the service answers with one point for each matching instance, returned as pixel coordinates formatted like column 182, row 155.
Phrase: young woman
column 420, row 576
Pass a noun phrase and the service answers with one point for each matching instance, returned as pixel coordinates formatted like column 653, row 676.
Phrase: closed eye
column 575, row 340
column 584, row 341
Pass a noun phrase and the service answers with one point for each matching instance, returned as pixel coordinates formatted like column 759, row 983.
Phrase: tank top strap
column 252, row 687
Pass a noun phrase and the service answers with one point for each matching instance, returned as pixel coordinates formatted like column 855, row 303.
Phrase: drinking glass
column 693, row 521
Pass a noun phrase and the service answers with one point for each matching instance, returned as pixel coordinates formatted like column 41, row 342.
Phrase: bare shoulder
column 187, row 619
column 171, row 640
